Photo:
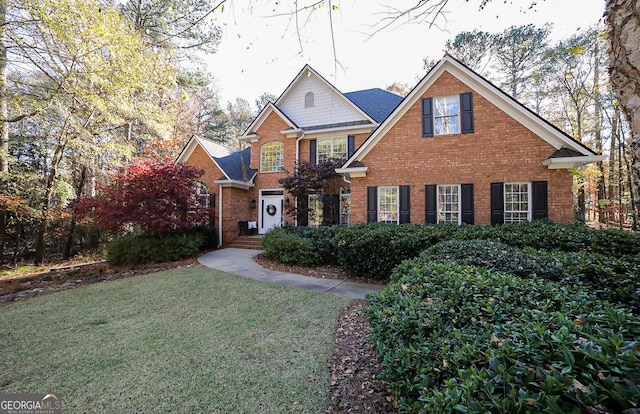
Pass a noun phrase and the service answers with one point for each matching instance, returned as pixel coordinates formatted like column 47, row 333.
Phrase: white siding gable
column 330, row 107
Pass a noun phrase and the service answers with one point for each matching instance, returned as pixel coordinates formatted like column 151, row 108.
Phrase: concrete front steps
column 246, row 242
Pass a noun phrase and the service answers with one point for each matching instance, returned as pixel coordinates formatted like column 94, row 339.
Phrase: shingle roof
column 336, row 125
column 376, row 102
column 565, row 152
column 236, row 165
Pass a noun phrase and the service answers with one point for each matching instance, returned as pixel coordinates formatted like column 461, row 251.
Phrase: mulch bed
column 354, row 366
column 75, row 275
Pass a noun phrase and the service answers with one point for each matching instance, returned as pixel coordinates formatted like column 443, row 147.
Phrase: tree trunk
column 614, row 156
column 4, row 113
column 46, row 203
column 4, row 125
column 66, row 254
column 601, row 187
column 623, row 25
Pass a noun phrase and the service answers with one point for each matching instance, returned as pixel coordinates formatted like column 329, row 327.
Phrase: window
column 315, row 209
column 272, row 157
column 446, row 115
column 388, row 204
column 331, row 148
column 449, row 204
column 309, row 100
column 516, row 202
column 345, row 206
column 200, row 202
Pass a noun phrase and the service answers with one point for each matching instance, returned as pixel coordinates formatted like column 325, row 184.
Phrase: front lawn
column 185, row 340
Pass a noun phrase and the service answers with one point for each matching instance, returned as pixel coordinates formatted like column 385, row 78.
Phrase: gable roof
column 233, row 164
column 542, row 128
column 268, row 109
column 213, row 149
column 236, row 166
column 308, row 71
column 376, row 102
column 372, row 105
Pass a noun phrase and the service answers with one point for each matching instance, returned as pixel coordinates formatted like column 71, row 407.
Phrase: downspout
column 298, row 159
column 220, row 219
column 298, row 146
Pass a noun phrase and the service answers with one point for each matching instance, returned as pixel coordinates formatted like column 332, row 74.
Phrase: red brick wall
column 499, row 150
column 235, row 207
column 200, row 159
column 235, row 202
column 270, row 131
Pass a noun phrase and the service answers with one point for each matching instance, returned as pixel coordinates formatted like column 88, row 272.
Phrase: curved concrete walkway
column 240, row 262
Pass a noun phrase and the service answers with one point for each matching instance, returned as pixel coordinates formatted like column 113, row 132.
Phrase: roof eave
column 356, row 129
column 571, row 162
column 354, row 172
column 235, row 184
column 250, row 138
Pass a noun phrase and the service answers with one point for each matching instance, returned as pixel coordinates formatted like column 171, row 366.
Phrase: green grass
column 185, row 340
column 19, row 271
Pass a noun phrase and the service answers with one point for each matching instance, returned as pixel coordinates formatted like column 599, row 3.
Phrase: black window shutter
column 372, row 204
column 313, row 150
column 405, row 204
column 540, row 209
column 351, row 145
column 430, row 204
column 466, row 112
column 303, row 210
column 427, row 117
column 466, row 198
column 497, row 203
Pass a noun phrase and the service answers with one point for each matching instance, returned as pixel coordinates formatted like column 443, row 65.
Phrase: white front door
column 271, row 207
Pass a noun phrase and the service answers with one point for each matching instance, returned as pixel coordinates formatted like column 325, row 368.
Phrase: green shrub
column 210, row 234
column 456, row 338
column 544, row 234
column 136, row 249
column 285, row 247
column 616, row 279
column 374, row 249
column 320, row 237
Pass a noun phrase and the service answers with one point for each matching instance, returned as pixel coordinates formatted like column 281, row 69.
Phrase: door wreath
column 271, row 210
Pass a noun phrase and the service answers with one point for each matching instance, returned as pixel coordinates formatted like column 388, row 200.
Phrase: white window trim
column 309, row 100
column 262, row 170
column 438, row 210
column 397, row 212
column 317, row 195
column 504, row 191
column 458, row 114
column 332, row 139
column 345, row 195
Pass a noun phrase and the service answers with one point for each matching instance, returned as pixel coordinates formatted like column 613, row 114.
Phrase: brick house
column 456, row 149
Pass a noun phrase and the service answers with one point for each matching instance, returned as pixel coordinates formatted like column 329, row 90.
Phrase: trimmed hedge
column 616, row 279
column 544, row 234
column 374, row 249
column 137, row 249
column 320, row 238
column 456, row 338
column 285, row 247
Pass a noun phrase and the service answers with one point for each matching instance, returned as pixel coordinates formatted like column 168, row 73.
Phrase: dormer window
column 309, row 100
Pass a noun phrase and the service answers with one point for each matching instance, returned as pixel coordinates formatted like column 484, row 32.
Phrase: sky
column 262, row 50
